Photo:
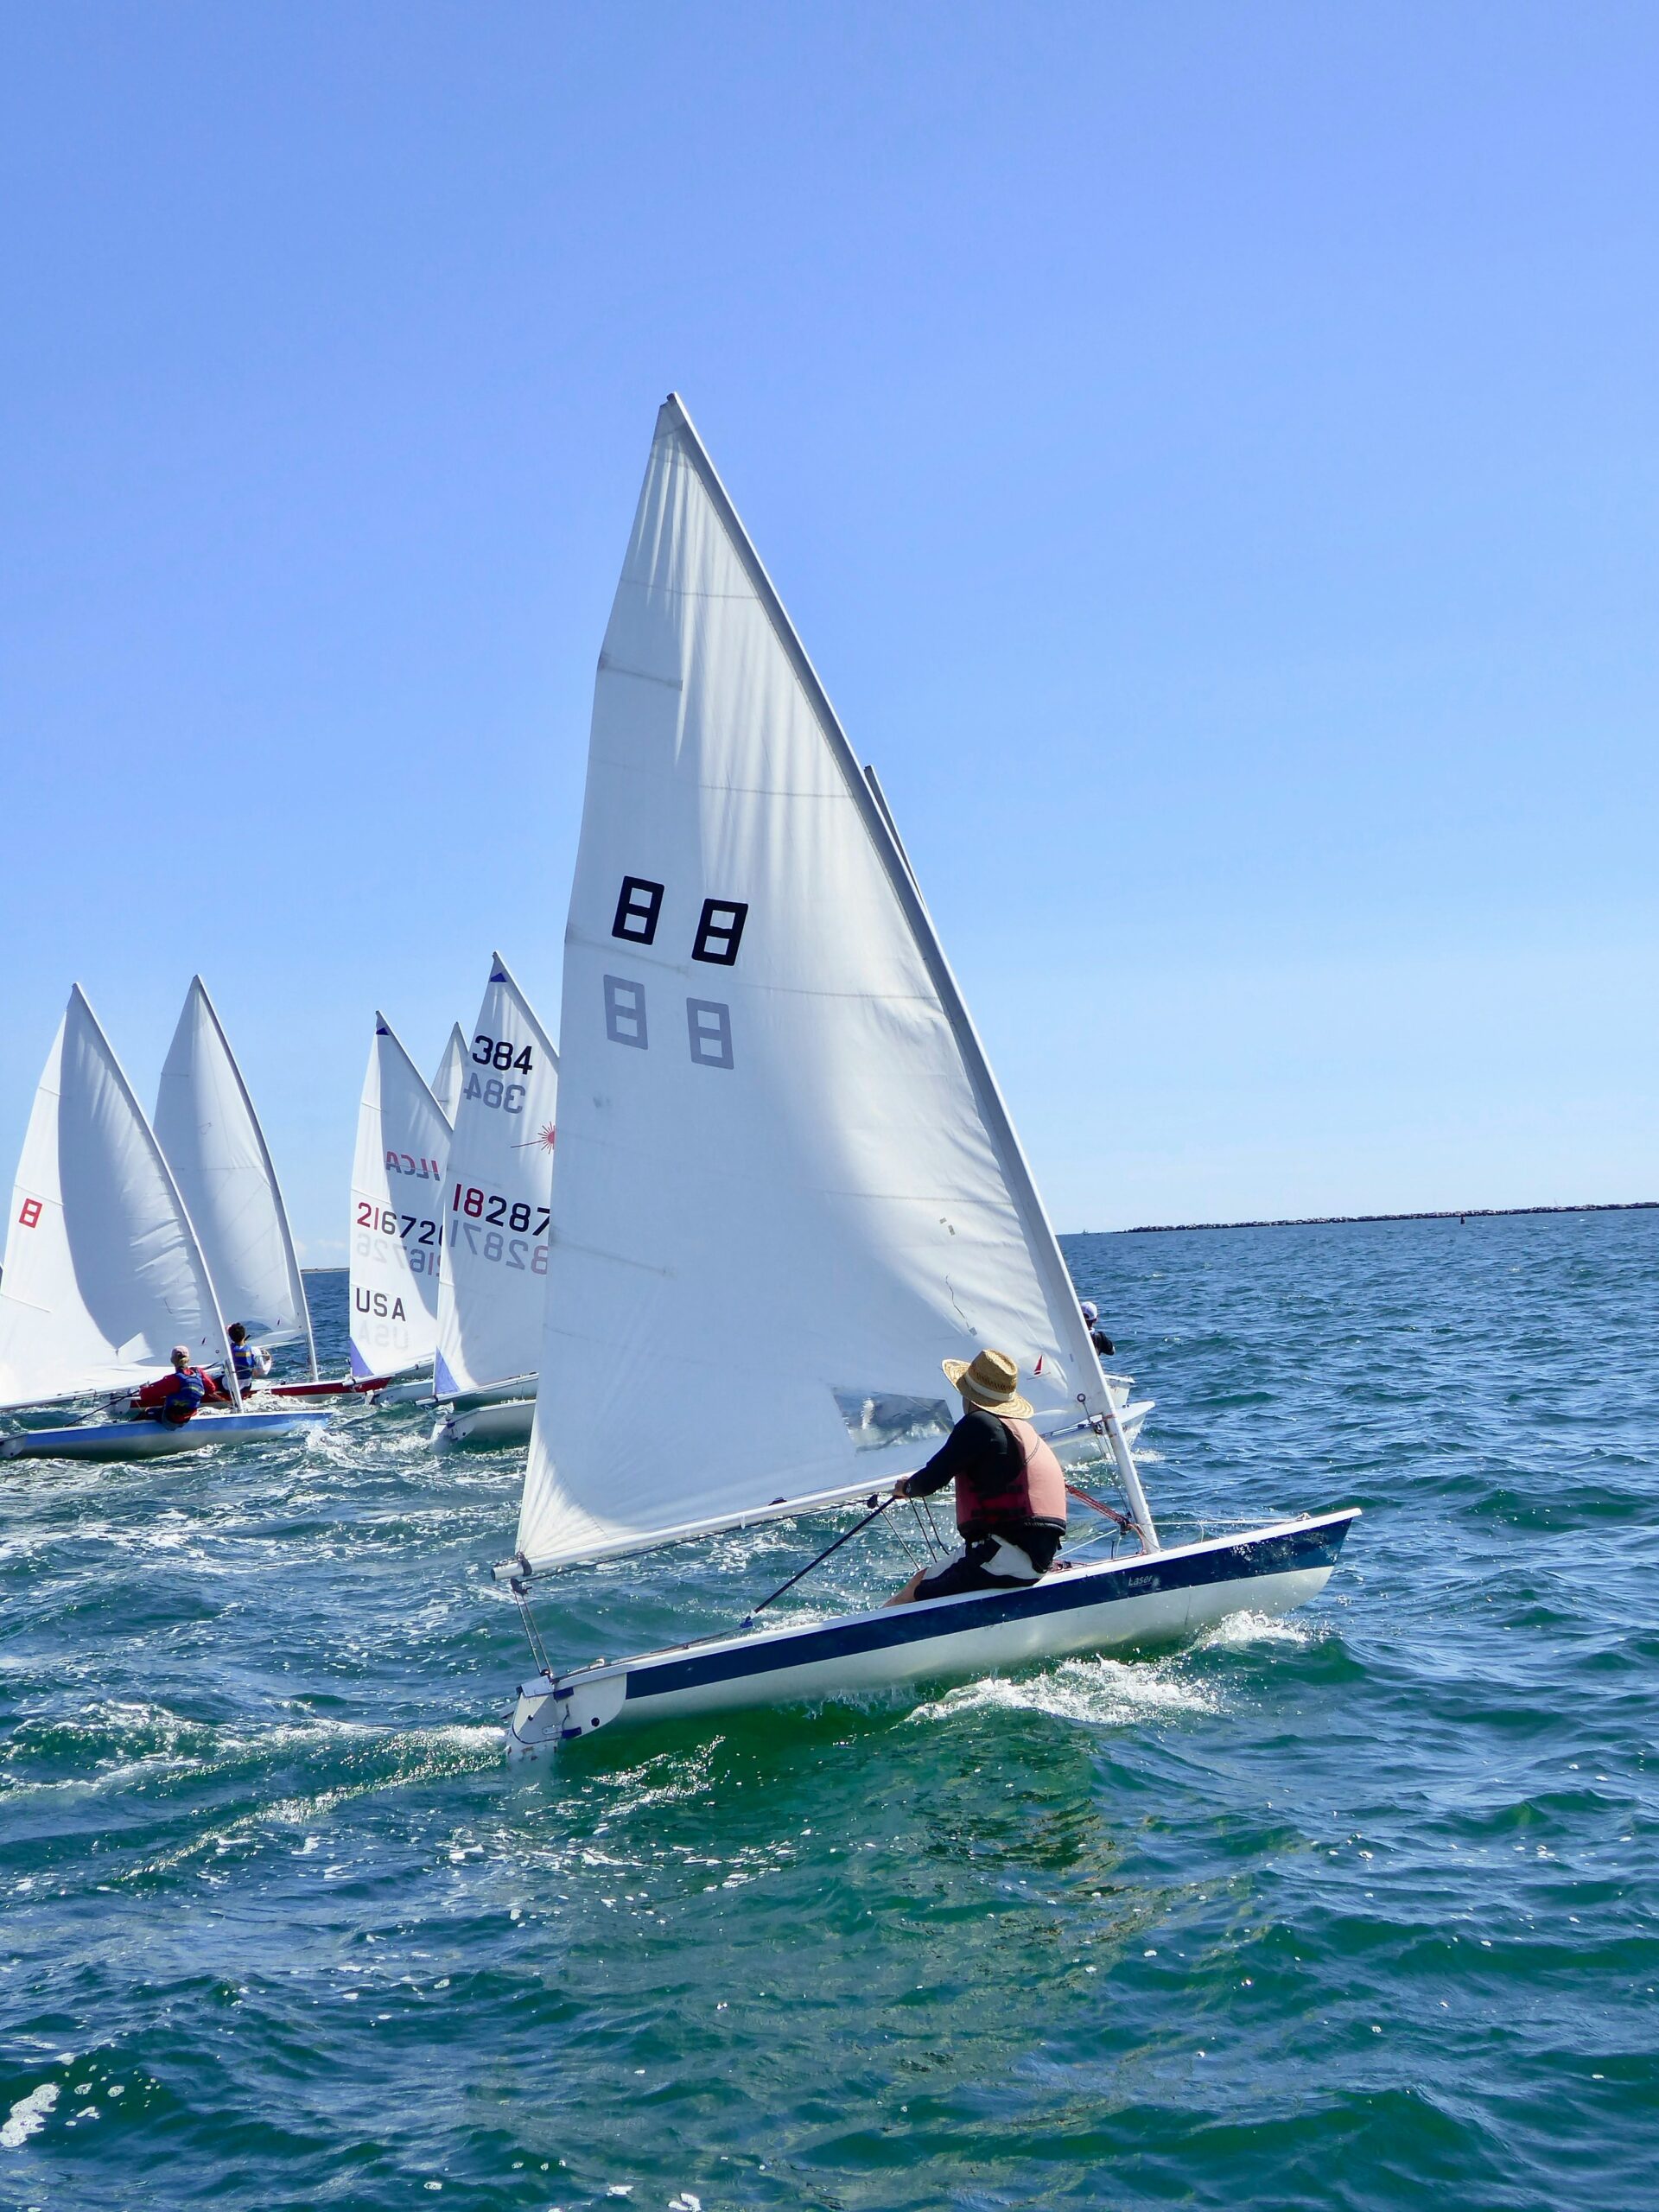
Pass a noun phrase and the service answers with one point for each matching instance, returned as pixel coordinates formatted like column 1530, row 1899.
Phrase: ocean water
column 1353, row 1910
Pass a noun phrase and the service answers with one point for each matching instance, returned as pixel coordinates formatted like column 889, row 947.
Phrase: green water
column 1354, row 1909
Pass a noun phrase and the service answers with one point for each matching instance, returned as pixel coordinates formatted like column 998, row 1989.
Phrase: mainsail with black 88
column 787, row 1186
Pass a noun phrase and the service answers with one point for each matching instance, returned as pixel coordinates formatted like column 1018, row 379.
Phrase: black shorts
column 971, row 1569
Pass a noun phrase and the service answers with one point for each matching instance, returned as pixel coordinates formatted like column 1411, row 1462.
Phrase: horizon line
column 1337, row 1220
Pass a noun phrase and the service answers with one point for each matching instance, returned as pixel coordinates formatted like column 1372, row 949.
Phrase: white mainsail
column 452, row 1073
column 787, row 1186
column 493, row 1273
column 102, row 1272
column 216, row 1148
column 402, row 1142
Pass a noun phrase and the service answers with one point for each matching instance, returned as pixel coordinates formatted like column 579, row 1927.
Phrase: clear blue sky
column 1210, row 452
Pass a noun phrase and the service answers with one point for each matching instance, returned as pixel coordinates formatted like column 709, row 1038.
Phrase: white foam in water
column 1108, row 1693
column 28, row 2116
column 1240, row 1629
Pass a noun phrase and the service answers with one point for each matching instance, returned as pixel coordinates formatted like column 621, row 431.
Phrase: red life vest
column 1031, row 1488
column 174, row 1397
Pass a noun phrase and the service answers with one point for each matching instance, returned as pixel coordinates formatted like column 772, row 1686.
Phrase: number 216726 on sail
column 413, row 1230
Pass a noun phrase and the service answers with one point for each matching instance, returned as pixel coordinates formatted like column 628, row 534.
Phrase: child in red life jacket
column 174, row 1398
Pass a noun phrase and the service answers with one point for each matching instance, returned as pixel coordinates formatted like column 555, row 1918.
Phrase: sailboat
column 397, row 1181
column 451, row 1075
column 103, row 1273
column 209, row 1128
column 493, row 1273
column 788, row 1187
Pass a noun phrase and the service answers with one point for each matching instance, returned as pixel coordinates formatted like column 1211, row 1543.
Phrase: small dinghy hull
column 1148, row 1599
column 148, row 1440
column 331, row 1386
column 507, row 1420
column 412, row 1391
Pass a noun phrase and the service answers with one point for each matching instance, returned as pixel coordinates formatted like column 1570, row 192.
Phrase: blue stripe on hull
column 1296, row 1551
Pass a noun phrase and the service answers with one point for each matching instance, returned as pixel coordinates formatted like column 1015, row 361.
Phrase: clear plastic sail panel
column 786, row 1187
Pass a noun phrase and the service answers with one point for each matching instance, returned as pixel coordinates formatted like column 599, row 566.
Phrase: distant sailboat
column 788, row 1185
column 397, row 1182
column 210, row 1133
column 103, row 1273
column 451, row 1075
column 492, row 1276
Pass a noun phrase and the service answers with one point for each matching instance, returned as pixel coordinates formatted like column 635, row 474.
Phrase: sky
column 1211, row 453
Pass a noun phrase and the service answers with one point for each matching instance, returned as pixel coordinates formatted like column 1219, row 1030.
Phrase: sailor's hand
column 901, row 1488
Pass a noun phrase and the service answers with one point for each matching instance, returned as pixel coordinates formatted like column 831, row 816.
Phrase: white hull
column 1131, row 1419
column 415, row 1392
column 506, row 1421
column 149, row 1439
column 1148, row 1599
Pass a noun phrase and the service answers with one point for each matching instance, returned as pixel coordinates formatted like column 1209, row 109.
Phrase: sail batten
column 778, row 1122
column 103, row 1273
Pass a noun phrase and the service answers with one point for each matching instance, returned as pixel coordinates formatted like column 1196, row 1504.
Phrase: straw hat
column 988, row 1382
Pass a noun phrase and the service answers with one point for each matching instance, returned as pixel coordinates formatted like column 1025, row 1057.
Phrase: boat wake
column 1239, row 1630
column 1094, row 1693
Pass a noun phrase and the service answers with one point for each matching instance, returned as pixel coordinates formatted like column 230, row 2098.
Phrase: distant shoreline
column 1337, row 1220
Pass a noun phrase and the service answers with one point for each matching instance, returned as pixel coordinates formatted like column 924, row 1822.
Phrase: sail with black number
column 209, row 1129
column 493, row 1275
column 103, row 1271
column 788, row 1187
column 398, row 1186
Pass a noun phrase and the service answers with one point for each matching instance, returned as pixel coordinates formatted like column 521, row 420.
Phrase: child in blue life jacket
column 175, row 1398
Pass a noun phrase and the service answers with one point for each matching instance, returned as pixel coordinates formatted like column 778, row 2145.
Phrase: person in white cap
column 173, row 1399
column 1010, row 1492
column 1097, row 1336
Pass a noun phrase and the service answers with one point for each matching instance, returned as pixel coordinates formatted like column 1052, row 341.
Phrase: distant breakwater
column 1338, row 1220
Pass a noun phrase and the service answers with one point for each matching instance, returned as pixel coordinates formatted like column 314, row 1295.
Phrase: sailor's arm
column 946, row 1463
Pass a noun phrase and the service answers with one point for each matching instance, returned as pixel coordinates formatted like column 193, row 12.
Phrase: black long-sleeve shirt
column 981, row 1453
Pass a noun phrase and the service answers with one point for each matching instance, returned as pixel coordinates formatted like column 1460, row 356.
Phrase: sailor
column 252, row 1362
column 174, row 1398
column 1010, row 1492
column 1097, row 1336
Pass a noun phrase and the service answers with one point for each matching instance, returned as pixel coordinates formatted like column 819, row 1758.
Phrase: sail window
column 710, row 1024
column 625, row 1011
column 637, row 906
column 721, row 931
column 878, row 1419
